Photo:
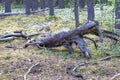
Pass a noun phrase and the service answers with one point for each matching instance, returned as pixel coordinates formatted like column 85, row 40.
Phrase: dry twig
column 30, row 69
column 115, row 76
column 72, row 70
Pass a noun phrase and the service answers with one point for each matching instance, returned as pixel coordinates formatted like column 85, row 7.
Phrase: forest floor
column 14, row 63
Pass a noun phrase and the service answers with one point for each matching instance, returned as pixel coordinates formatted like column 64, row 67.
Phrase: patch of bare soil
column 2, row 17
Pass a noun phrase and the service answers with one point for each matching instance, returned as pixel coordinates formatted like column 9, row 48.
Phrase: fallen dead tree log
column 18, row 13
column 17, row 34
column 74, row 36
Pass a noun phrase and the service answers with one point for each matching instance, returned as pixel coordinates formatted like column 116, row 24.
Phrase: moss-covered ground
column 14, row 63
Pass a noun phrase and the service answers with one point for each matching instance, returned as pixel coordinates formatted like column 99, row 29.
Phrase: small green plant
column 111, row 2
column 50, row 18
column 115, row 49
column 5, row 57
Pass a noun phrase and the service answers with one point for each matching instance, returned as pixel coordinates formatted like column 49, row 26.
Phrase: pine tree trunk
column 35, row 5
column 7, row 6
column 42, row 4
column 61, row 4
column 28, row 4
column 76, row 13
column 51, row 6
column 90, row 10
column 82, row 4
column 101, row 4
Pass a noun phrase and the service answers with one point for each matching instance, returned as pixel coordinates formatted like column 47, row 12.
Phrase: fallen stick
column 18, row 13
column 72, row 69
column 8, row 38
column 18, row 34
column 113, row 78
column 30, row 69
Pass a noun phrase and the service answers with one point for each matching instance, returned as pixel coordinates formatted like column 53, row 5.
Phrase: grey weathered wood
column 65, row 38
column 73, row 36
column 17, row 13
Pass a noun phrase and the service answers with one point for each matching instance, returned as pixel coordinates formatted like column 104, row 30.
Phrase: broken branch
column 32, row 68
column 66, row 38
column 72, row 70
column 113, row 78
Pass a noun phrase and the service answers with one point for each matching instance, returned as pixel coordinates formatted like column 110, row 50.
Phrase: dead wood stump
column 66, row 38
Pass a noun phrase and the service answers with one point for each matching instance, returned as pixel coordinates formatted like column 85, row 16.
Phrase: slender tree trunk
column 101, row 4
column 56, row 3
column 51, row 7
column 28, row 4
column 42, row 4
column 61, row 4
column 82, row 3
column 76, row 13
column 35, row 5
column 90, row 6
column 7, row 6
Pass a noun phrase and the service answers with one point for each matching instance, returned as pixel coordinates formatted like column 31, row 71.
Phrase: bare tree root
column 91, row 40
column 65, row 38
column 74, row 36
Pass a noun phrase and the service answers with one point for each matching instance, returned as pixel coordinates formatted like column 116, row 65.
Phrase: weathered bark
column 17, row 13
column 17, row 34
column 12, row 13
column 73, row 36
column 66, row 39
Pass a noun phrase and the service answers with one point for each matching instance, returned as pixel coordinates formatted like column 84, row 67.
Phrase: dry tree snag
column 74, row 36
